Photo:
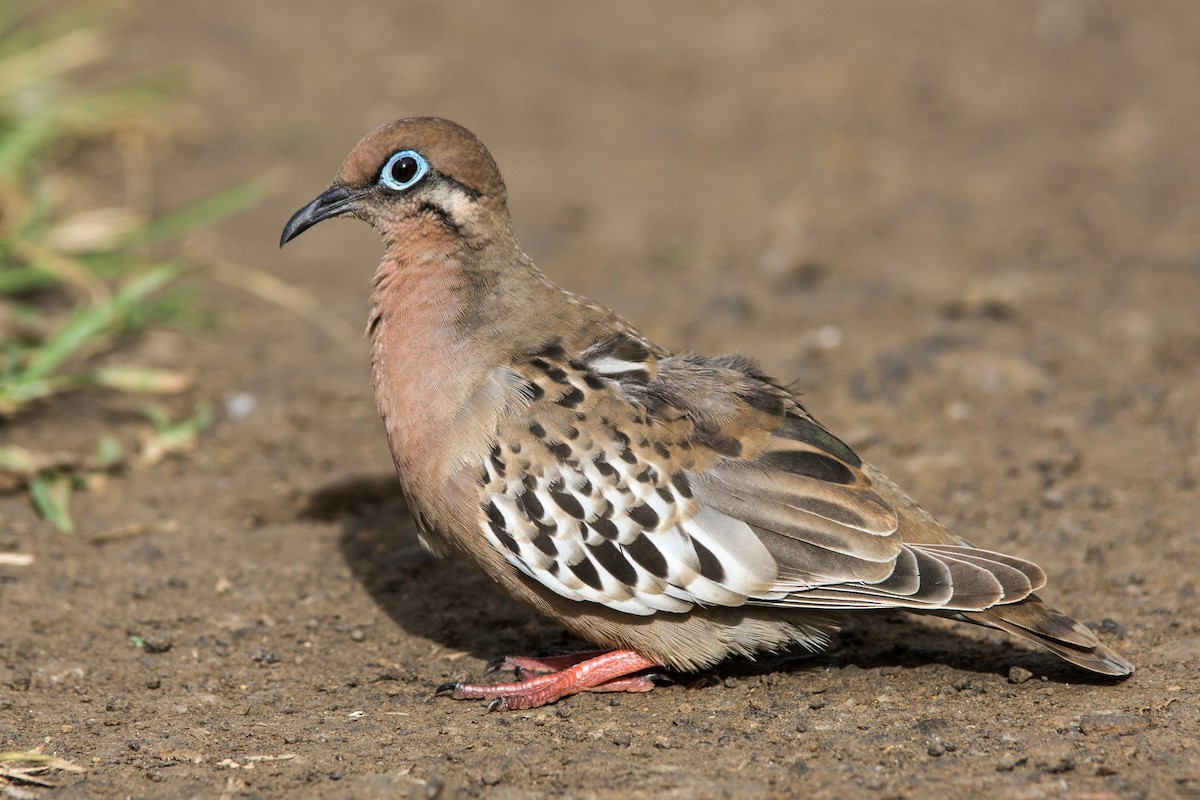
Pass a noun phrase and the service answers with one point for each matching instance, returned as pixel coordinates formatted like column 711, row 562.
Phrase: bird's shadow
column 440, row 600
column 446, row 602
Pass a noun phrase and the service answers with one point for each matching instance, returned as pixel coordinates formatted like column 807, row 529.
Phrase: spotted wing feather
column 653, row 483
column 583, row 495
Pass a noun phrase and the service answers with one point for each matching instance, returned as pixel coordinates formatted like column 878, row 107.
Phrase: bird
column 674, row 509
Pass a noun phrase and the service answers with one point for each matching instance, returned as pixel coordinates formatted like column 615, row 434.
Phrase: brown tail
column 1034, row 621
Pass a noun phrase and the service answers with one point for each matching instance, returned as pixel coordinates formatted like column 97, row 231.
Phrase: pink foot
column 540, row 665
column 610, row 671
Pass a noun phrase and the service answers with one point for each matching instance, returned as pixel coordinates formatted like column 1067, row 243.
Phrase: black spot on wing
column 803, row 430
column 585, row 570
column 544, row 540
column 710, row 565
column 605, row 527
column 603, row 467
column 767, row 401
column 529, row 503
column 593, row 381
column 645, row 516
column 537, row 430
column 645, row 553
column 497, row 464
column 571, row 398
column 560, row 451
column 680, row 482
column 552, row 349
column 633, row 376
column 496, row 523
column 568, row 503
column 608, row 556
column 812, row 465
column 622, row 347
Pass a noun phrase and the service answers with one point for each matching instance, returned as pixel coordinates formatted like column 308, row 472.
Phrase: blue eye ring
column 404, row 169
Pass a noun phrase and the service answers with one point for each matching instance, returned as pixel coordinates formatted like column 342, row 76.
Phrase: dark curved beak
column 333, row 202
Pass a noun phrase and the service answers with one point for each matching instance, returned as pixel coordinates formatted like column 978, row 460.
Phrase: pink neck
column 422, row 368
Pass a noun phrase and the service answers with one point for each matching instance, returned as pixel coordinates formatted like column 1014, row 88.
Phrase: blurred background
column 969, row 231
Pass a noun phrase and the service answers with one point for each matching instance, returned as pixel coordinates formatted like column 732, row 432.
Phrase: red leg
column 611, row 671
column 542, row 665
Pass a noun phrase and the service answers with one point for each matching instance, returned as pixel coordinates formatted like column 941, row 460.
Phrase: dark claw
column 498, row 704
column 497, row 664
column 446, row 688
column 660, row 678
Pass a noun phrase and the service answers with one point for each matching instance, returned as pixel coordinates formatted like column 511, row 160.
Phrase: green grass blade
column 90, row 323
column 20, row 280
column 51, row 493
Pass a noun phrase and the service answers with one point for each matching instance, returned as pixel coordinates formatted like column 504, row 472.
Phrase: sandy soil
column 970, row 231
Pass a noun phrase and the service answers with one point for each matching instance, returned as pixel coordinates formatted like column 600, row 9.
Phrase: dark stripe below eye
column 443, row 215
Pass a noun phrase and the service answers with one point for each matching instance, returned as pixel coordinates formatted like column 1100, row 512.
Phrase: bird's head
column 412, row 179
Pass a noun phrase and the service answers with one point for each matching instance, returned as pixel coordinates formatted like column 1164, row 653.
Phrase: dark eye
column 403, row 169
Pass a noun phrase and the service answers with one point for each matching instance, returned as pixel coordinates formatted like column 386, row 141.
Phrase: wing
column 653, row 483
column 587, row 493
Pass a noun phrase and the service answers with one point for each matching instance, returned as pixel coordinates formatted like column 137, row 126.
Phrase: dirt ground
column 970, row 231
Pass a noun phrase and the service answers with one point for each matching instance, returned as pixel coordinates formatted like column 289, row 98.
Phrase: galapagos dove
column 673, row 509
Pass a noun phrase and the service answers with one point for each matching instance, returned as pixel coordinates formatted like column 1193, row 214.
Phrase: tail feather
column 1036, row 622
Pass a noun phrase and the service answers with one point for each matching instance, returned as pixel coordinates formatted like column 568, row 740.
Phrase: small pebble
column 157, row 643
column 1008, row 762
column 1018, row 674
column 1064, row 762
column 240, row 405
column 1112, row 724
